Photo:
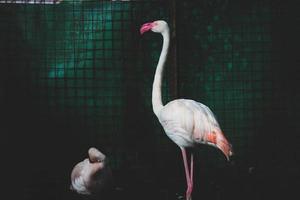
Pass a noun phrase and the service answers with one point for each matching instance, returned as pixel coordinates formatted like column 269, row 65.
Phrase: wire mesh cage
column 77, row 74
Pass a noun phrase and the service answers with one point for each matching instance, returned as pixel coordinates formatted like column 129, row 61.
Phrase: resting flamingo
column 92, row 176
column 186, row 122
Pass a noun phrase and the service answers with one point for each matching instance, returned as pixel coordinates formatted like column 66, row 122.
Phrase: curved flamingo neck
column 157, row 104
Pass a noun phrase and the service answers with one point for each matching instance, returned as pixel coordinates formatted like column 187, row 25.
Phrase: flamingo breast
column 176, row 121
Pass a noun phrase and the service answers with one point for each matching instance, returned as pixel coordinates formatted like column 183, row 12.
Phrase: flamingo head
column 95, row 155
column 158, row 26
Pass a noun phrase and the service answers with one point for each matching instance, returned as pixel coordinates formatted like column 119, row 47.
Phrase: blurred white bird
column 92, row 175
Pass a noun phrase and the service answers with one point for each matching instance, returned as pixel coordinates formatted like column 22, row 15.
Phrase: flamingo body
column 92, row 175
column 189, row 123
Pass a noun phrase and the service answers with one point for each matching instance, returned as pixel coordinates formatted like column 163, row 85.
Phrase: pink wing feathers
column 206, row 128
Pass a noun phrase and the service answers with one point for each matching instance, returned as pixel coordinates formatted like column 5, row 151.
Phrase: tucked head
column 95, row 155
column 158, row 26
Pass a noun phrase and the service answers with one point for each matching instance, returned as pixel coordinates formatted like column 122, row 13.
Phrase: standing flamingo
column 186, row 122
column 92, row 175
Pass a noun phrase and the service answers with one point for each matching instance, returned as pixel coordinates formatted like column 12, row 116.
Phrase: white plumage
column 92, row 175
column 180, row 119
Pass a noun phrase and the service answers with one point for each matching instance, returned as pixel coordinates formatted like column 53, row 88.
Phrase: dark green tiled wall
column 87, row 59
column 79, row 74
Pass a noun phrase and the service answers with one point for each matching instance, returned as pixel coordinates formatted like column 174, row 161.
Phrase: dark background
column 71, row 79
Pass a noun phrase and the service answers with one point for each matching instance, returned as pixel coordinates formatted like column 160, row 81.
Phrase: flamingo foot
column 188, row 197
column 189, row 192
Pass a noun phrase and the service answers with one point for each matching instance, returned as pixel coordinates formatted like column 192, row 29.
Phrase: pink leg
column 190, row 185
column 192, row 168
column 187, row 175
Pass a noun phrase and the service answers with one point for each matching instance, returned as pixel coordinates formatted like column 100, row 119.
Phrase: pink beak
column 146, row 27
